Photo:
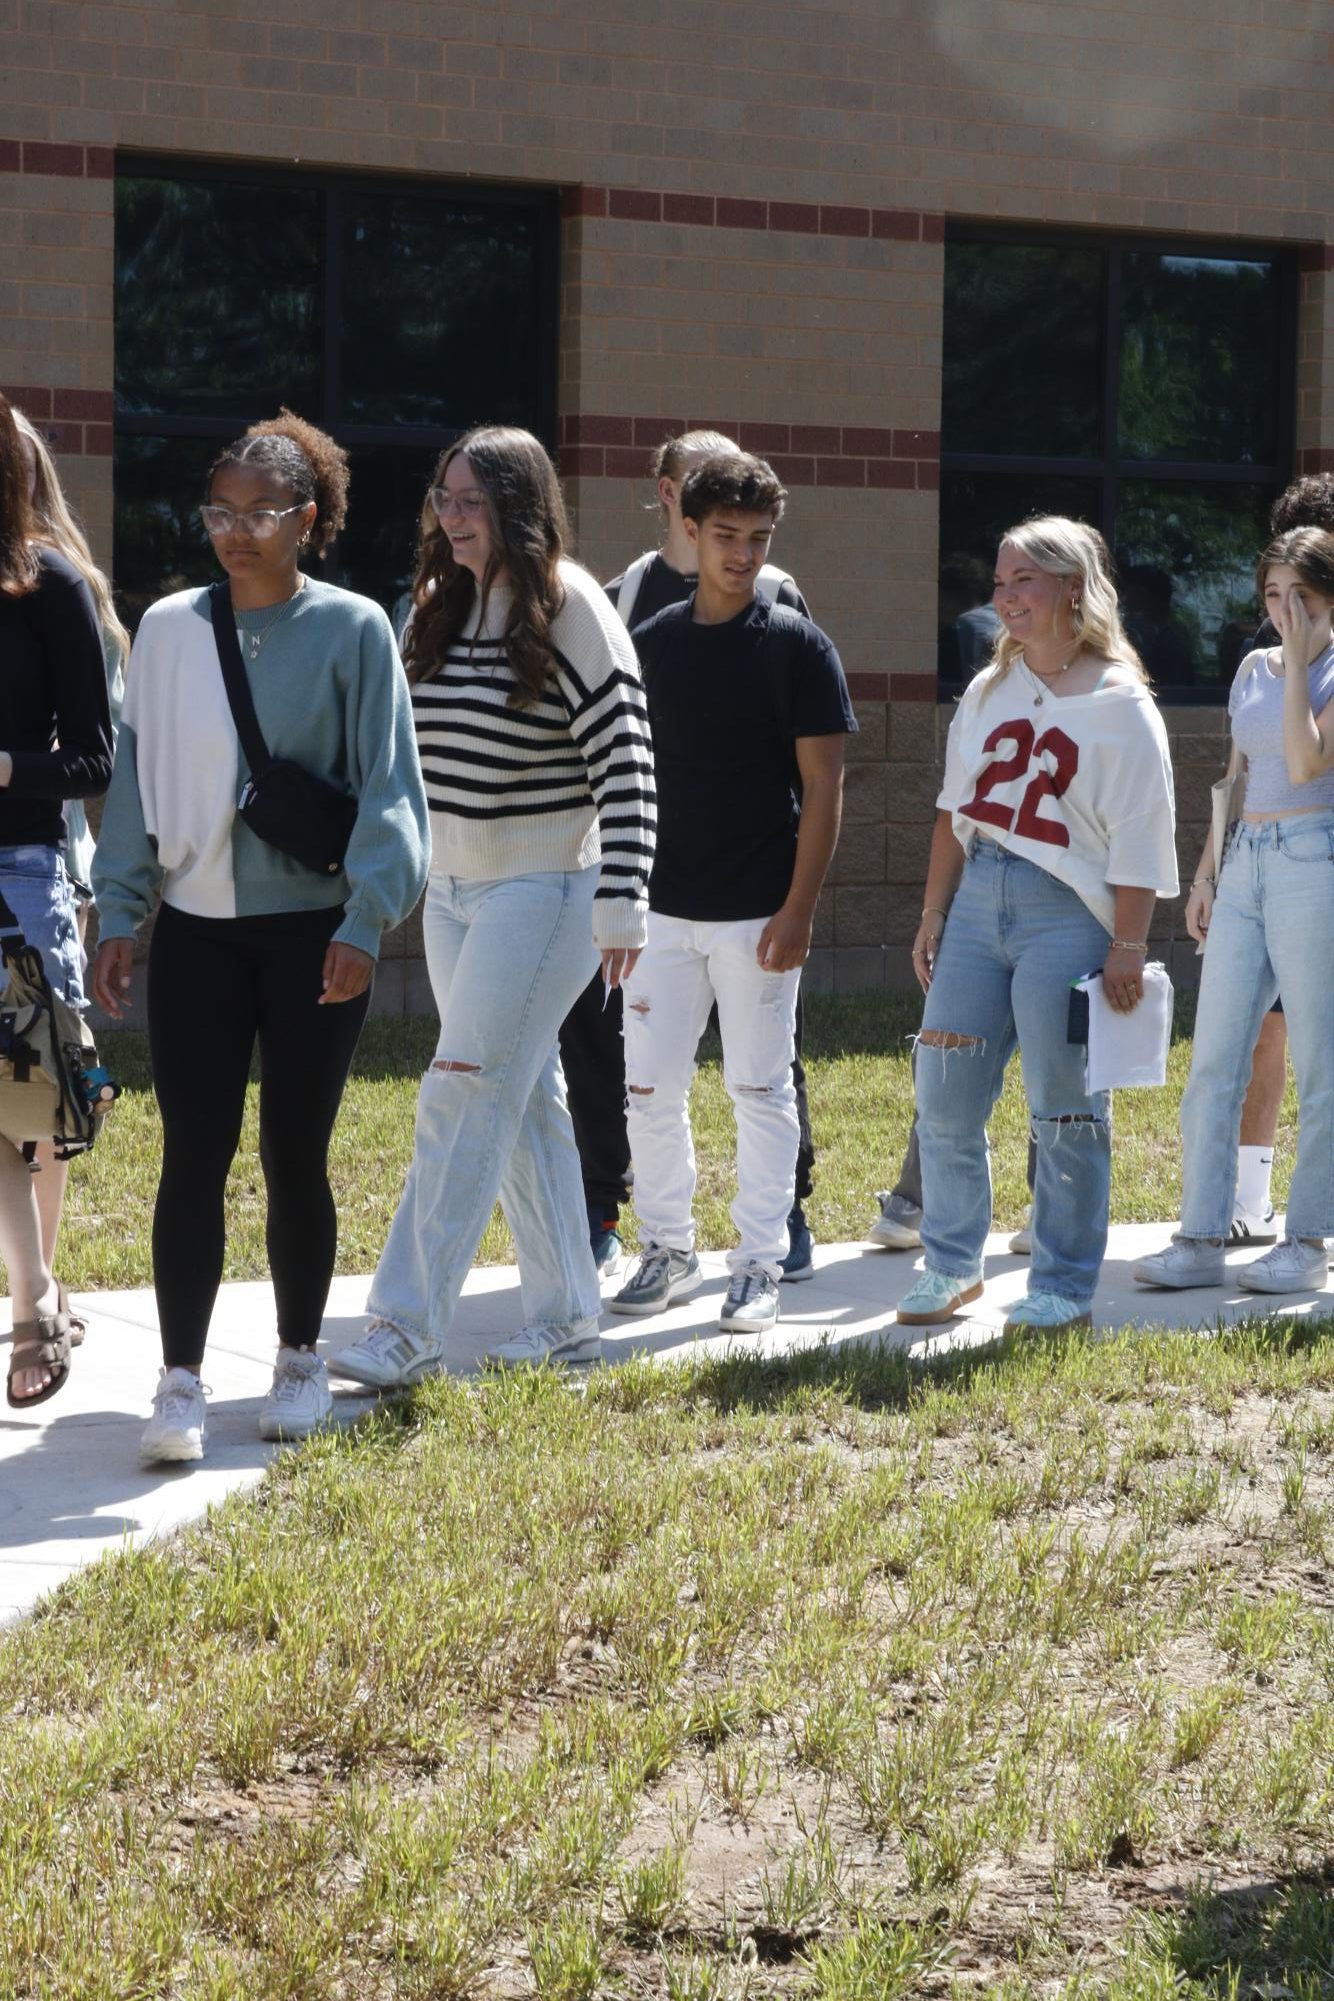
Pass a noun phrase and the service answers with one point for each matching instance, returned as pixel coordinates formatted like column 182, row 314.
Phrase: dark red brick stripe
column 906, row 225
column 595, row 447
column 73, row 421
column 37, row 156
column 892, row 687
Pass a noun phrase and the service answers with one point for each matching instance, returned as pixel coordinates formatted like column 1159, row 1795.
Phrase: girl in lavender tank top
column 1267, row 912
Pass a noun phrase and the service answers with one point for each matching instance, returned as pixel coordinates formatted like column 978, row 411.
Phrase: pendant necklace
column 1040, row 696
column 254, row 640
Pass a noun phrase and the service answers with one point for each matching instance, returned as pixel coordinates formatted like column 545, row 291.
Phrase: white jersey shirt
column 1081, row 784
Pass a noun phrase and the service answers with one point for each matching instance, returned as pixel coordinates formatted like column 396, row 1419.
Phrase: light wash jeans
column 1015, row 940
column 507, row 961
column 1272, row 932
column 683, row 969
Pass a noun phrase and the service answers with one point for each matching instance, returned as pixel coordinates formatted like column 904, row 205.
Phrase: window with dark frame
column 392, row 313
column 1143, row 385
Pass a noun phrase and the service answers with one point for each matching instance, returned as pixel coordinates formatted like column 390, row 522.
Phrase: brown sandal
column 43, row 1343
column 77, row 1325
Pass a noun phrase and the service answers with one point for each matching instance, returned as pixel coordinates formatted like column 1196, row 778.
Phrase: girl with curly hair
column 251, row 946
column 535, row 748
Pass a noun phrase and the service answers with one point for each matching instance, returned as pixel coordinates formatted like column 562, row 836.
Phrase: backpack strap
column 239, row 698
column 631, row 584
column 770, row 582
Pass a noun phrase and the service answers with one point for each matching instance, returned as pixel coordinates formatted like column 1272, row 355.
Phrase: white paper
column 1128, row 1049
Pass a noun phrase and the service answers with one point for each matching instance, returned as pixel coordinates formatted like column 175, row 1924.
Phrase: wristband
column 1128, row 945
column 1211, row 880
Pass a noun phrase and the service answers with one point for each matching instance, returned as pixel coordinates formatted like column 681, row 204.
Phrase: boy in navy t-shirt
column 749, row 711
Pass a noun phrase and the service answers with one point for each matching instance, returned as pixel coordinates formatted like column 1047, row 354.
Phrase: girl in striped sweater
column 534, row 744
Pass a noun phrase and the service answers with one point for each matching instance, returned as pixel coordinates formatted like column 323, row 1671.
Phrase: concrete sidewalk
column 71, row 1486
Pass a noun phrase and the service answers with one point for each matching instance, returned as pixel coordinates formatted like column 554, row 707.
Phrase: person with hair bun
column 1054, row 836
column 1264, row 909
column 55, row 744
column 535, row 745
column 251, row 946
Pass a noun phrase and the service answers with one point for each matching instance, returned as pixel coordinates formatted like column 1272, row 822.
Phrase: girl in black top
column 55, row 744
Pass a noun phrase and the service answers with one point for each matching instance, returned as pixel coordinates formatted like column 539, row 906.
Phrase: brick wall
column 754, row 214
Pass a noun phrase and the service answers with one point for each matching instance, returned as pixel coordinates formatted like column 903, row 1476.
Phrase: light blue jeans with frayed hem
column 1272, row 932
column 1015, row 940
column 507, row 960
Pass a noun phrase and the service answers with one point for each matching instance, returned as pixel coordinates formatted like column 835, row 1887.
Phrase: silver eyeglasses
column 261, row 522
column 442, row 500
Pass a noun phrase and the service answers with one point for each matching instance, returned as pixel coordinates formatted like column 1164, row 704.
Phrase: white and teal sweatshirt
column 330, row 694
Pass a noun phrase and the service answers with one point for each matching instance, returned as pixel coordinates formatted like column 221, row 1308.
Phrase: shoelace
column 175, row 1403
column 380, row 1340
column 655, row 1263
column 289, row 1385
column 745, row 1285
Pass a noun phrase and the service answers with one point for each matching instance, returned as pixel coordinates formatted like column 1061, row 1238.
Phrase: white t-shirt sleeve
column 1141, row 846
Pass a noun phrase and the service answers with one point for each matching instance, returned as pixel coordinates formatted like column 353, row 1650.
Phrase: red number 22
column 1028, row 822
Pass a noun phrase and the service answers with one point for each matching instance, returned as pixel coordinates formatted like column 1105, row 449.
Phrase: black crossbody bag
column 286, row 805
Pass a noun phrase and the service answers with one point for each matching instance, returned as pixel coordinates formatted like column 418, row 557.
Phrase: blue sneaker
column 1047, row 1313
column 936, row 1297
column 660, row 1278
column 800, row 1260
column 608, row 1250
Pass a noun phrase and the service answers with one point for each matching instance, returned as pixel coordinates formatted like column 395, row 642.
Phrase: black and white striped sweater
column 563, row 784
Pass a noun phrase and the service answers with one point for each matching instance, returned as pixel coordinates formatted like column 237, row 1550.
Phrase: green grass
column 861, row 1105
column 840, row 1677
column 836, row 1679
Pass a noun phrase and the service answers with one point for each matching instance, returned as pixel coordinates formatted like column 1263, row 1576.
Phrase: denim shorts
column 35, row 885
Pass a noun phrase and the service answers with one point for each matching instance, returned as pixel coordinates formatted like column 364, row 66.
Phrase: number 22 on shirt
column 1050, row 781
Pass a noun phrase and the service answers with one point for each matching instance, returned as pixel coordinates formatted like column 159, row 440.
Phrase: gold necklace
column 1040, row 696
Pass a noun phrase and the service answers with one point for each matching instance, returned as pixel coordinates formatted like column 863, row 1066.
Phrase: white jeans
column 683, row 969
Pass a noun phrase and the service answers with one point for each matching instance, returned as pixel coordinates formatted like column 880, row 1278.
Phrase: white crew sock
column 1255, row 1164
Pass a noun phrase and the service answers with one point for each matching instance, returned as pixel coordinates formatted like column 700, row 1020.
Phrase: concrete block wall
column 755, row 203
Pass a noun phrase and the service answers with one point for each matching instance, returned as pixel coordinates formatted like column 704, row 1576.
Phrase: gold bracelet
column 934, row 910
column 1128, row 945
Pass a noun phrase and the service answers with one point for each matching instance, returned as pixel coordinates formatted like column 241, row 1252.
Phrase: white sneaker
column 300, row 1400
column 1250, row 1229
column 1291, row 1266
column 1021, row 1243
column 751, row 1305
column 898, row 1227
column 539, row 1346
column 175, row 1431
column 388, row 1358
column 1187, row 1262
column 935, row 1298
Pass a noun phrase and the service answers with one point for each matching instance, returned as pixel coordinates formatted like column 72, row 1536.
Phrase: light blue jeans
column 506, row 960
column 1272, row 932
column 1015, row 940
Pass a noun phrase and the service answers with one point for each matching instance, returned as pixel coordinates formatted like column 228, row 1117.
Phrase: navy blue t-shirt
column 726, row 704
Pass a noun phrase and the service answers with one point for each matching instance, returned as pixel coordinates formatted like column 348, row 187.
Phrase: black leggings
column 216, row 985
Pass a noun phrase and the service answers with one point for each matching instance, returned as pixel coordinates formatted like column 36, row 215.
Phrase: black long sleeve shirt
column 53, row 692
